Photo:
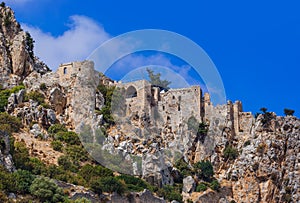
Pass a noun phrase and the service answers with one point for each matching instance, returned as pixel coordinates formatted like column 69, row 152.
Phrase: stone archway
column 131, row 92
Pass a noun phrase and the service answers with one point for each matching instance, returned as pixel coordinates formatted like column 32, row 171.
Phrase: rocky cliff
column 16, row 51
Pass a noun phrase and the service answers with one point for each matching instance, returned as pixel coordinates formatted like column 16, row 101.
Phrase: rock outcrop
column 16, row 56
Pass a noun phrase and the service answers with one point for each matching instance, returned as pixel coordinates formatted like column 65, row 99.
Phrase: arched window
column 65, row 70
column 131, row 92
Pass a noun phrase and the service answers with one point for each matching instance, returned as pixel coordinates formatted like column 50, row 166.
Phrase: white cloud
column 83, row 36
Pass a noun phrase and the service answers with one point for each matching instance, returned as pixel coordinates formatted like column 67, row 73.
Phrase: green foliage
column 248, row 142
column 65, row 162
column 183, row 168
column 204, row 170
column 170, row 193
column 70, row 138
column 6, row 179
column 230, row 153
column 77, row 153
column 201, row 187
column 289, row 112
column 53, row 129
column 43, row 86
column 156, row 80
column 4, row 95
column 29, row 44
column 20, row 155
column 46, row 190
column 267, row 117
column 215, row 185
column 82, row 200
column 9, row 123
column 36, row 166
column 57, row 145
column 22, row 180
column 7, row 19
column 108, row 184
column 89, row 172
column 35, row 96
column 263, row 109
column 133, row 183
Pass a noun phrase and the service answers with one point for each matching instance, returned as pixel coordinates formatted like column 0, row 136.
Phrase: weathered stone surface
column 188, row 184
column 136, row 197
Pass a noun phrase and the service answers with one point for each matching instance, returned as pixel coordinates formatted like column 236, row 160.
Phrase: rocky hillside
column 49, row 120
column 17, row 59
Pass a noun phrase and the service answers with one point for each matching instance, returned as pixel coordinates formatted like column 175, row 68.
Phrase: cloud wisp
column 83, row 36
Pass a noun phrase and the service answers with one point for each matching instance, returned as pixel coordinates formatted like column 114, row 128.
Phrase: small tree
column 29, row 44
column 204, row 170
column 289, row 112
column 263, row 109
column 230, row 153
column 156, row 80
column 46, row 190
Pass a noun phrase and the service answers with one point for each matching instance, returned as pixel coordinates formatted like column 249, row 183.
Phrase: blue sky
column 254, row 44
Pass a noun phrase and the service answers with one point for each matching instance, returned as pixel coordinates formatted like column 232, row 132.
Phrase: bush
column 230, row 153
column 248, row 142
column 65, row 162
column 22, row 180
column 133, row 183
column 53, row 129
column 204, row 170
column 35, row 96
column 88, row 172
column 201, row 187
column 289, row 112
column 215, row 185
column 71, row 138
column 108, row 184
column 57, row 145
column 46, row 190
column 43, row 87
column 10, row 123
column 170, row 193
column 20, row 155
column 183, row 168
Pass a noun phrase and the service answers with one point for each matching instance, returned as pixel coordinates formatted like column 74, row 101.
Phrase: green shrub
column 248, row 142
column 65, row 162
column 57, row 145
column 20, row 155
column 204, row 170
column 82, row 200
column 215, row 185
column 201, row 187
column 183, row 168
column 88, row 172
column 46, row 190
column 289, row 112
column 170, row 193
column 43, row 86
column 36, row 166
column 10, row 123
column 22, row 180
column 71, row 138
column 230, row 153
column 133, row 183
column 35, row 96
column 108, row 184
column 53, row 129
